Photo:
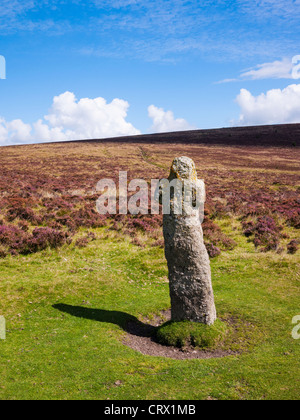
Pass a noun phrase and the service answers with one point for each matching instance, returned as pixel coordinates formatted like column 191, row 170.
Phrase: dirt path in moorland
column 147, row 158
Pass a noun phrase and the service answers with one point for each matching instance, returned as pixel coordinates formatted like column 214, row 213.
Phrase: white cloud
column 3, row 131
column 15, row 131
column 19, row 131
column 89, row 118
column 164, row 121
column 275, row 70
column 70, row 119
column 279, row 69
column 273, row 107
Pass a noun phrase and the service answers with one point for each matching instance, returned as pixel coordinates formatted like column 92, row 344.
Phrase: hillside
column 286, row 135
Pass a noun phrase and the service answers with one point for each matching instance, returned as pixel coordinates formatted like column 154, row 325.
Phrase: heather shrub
column 22, row 209
column 23, row 213
column 55, row 225
column 265, row 232
column 293, row 218
column 249, row 228
column 13, row 238
column 215, row 239
column 212, row 250
column 131, row 224
column 87, row 216
column 43, row 238
column 23, row 225
column 16, row 241
column 67, row 221
column 82, row 242
column 56, row 204
column 292, row 247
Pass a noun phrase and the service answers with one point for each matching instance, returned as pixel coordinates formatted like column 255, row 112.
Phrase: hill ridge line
column 279, row 135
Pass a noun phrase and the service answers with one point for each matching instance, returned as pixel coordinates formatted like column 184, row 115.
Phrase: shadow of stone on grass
column 140, row 336
column 127, row 322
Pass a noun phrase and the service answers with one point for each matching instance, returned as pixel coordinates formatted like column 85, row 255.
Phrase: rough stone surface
column 191, row 290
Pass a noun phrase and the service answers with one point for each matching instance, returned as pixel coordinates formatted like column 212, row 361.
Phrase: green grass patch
column 66, row 311
column 229, row 334
column 186, row 333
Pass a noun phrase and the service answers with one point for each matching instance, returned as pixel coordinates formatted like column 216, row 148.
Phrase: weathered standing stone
column 191, row 290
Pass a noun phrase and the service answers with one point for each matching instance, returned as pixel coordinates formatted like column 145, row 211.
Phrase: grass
column 66, row 311
column 183, row 334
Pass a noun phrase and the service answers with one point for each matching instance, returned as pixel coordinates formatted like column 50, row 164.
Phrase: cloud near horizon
column 70, row 119
column 164, row 121
column 276, row 106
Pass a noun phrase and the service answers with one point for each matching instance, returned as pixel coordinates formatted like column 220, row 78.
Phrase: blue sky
column 82, row 69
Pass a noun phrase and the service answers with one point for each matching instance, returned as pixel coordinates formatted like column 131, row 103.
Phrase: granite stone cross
column 191, row 289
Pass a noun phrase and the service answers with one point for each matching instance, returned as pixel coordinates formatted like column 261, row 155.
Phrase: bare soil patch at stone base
column 140, row 337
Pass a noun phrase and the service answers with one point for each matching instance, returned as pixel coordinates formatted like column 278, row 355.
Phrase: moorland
column 71, row 280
